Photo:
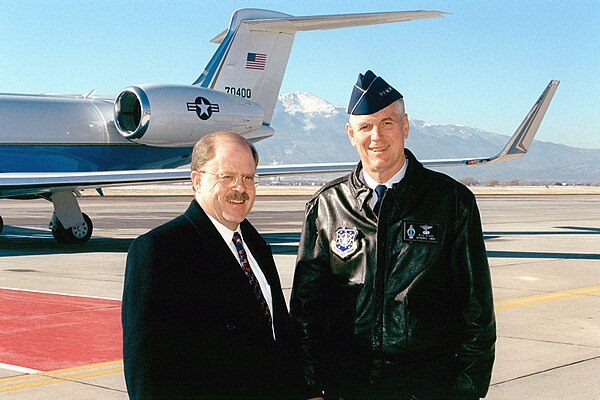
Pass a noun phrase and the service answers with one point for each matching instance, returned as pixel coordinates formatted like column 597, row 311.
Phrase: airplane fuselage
column 72, row 134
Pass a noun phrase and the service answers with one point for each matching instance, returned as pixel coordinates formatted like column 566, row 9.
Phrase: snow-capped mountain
column 306, row 103
column 309, row 129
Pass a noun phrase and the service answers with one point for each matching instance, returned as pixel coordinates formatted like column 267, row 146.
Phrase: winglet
column 519, row 143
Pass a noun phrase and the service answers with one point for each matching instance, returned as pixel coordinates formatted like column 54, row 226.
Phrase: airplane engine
column 179, row 115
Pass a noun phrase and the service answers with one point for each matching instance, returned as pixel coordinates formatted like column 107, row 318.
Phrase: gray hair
column 400, row 106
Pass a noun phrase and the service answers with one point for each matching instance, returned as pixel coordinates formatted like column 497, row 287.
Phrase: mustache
column 238, row 196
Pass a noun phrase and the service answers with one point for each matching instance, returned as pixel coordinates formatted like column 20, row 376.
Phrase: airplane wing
column 21, row 184
column 517, row 146
column 27, row 184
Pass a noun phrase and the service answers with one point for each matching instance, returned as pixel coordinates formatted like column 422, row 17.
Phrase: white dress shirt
column 372, row 183
column 227, row 235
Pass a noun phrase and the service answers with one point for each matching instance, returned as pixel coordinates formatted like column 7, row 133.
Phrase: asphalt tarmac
column 59, row 304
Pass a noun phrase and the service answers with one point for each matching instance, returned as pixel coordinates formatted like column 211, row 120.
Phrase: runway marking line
column 17, row 368
column 60, row 375
column 58, row 293
column 545, row 297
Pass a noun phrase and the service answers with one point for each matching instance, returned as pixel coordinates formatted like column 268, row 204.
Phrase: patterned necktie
column 380, row 190
column 237, row 241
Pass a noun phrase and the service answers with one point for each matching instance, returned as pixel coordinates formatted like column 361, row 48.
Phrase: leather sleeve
column 472, row 276
column 306, row 305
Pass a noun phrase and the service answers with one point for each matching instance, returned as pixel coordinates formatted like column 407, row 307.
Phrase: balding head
column 205, row 149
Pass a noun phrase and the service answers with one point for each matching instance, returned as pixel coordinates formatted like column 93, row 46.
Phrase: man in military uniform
column 392, row 288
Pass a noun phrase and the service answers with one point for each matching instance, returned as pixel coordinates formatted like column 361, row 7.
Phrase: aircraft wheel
column 76, row 234
column 1, row 224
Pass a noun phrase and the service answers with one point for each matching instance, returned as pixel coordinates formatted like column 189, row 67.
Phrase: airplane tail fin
column 253, row 53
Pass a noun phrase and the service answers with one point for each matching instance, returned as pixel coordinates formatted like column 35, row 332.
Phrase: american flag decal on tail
column 256, row 61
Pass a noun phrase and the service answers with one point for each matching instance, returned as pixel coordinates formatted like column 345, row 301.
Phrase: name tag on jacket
column 418, row 231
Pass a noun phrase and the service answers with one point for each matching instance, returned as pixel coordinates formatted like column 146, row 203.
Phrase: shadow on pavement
column 26, row 241
column 16, row 241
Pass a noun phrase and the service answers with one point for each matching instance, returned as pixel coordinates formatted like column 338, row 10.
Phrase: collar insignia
column 345, row 243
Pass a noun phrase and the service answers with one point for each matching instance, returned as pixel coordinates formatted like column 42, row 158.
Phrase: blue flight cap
column 371, row 94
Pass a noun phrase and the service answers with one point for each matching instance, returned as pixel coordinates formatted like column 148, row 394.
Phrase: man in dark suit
column 203, row 312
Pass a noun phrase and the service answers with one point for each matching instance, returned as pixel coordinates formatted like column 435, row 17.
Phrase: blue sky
column 483, row 65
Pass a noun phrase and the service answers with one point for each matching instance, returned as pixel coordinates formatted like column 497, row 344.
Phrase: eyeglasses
column 230, row 180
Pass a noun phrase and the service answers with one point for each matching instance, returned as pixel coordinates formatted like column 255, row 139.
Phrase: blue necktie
column 237, row 241
column 380, row 190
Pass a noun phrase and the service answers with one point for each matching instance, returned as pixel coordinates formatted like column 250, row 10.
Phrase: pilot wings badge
column 426, row 229
column 345, row 243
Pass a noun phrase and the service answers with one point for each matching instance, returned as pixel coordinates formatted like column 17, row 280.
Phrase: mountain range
column 309, row 129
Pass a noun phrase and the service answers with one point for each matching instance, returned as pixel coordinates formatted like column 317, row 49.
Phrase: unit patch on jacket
column 414, row 231
column 345, row 243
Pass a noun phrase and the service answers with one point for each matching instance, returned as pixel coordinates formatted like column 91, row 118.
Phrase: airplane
column 53, row 146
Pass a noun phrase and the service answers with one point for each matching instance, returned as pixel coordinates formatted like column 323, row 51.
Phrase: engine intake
column 179, row 115
column 132, row 112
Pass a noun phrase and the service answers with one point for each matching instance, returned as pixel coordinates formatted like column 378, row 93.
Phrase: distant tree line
column 321, row 179
column 469, row 181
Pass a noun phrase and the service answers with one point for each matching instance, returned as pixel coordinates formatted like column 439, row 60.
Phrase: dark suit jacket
column 192, row 328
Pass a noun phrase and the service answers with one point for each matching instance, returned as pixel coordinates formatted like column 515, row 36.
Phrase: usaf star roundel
column 204, row 109
column 345, row 243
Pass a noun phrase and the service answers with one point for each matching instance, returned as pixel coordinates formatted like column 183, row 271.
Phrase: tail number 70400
column 242, row 92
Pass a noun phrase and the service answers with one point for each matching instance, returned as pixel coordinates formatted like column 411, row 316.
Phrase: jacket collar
column 257, row 245
column 196, row 215
column 414, row 168
column 361, row 192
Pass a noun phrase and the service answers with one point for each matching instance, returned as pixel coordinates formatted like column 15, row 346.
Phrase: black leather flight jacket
column 415, row 280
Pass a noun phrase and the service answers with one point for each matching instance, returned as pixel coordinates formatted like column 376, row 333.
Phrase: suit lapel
column 210, row 240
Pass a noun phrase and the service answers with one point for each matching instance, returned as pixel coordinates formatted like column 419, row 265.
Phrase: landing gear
column 76, row 234
column 69, row 224
column 1, row 224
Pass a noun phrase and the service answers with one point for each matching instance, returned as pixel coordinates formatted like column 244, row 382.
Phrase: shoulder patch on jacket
column 345, row 242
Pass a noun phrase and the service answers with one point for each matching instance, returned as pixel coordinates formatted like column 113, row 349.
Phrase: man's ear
column 406, row 125
column 196, row 178
column 350, row 133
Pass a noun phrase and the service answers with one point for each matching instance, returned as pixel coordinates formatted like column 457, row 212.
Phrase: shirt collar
column 224, row 231
column 372, row 183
